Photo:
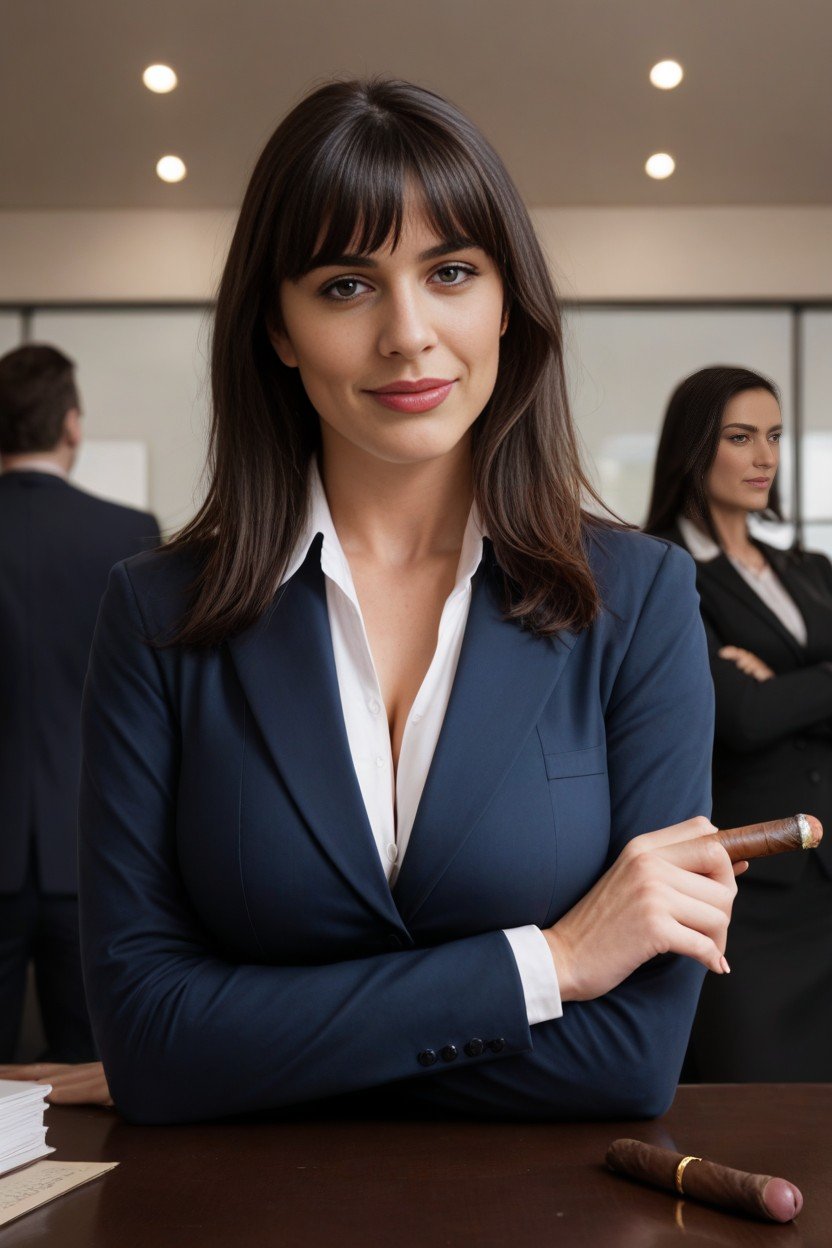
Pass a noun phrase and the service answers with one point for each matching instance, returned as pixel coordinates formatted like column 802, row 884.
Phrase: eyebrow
column 351, row 259
column 735, row 424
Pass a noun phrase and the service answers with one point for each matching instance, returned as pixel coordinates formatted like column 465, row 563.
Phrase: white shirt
column 766, row 584
column 368, row 733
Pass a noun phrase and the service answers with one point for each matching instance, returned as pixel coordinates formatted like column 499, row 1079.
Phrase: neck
column 397, row 514
column 731, row 524
column 58, row 462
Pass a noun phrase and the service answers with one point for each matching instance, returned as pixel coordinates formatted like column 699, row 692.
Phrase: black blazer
column 57, row 545
column 773, row 743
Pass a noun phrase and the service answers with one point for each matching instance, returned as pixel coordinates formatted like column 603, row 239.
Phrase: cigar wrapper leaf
column 761, row 1195
column 778, row 836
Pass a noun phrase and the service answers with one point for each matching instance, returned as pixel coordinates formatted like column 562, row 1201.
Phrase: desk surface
column 308, row 1181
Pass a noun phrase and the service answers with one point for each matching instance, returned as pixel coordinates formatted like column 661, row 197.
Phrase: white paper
column 37, row 1184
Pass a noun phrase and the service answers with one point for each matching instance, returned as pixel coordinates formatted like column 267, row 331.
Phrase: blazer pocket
column 591, row 762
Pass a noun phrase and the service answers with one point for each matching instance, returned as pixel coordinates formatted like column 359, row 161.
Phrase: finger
column 703, row 888
column 690, row 829
column 91, row 1090
column 730, row 652
column 693, row 944
column 740, row 868
column 702, row 854
column 710, row 921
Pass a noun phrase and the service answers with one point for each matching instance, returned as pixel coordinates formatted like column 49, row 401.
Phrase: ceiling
column 559, row 86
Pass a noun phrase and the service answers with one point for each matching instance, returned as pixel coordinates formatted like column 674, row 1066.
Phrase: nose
column 765, row 454
column 406, row 328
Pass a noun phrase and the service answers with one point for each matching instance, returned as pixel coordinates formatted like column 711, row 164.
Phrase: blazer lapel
column 286, row 666
column 503, row 680
column 722, row 571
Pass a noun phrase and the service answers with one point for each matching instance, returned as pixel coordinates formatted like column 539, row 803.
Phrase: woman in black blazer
column 768, row 617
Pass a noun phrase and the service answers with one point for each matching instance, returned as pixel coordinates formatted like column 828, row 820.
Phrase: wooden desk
column 306, row 1181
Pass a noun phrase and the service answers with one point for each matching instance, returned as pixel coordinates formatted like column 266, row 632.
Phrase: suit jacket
column 773, row 744
column 57, row 545
column 241, row 945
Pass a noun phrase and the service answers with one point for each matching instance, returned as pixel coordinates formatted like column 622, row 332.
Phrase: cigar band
column 680, row 1170
column 807, row 841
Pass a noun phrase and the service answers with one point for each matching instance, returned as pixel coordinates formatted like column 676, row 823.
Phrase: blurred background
column 726, row 261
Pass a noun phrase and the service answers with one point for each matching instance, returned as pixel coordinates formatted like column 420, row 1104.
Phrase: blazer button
column 474, row 1047
column 497, row 1046
column 427, row 1057
column 449, row 1053
column 814, row 776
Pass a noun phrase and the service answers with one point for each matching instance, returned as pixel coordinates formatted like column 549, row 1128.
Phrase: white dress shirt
column 766, row 584
column 391, row 796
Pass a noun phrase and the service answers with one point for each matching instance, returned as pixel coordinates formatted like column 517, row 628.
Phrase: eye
column 739, row 439
column 343, row 289
column 455, row 270
column 775, row 437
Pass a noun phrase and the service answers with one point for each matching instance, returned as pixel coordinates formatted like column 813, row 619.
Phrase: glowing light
column 660, row 165
column 171, row 169
column 159, row 78
column 666, row 75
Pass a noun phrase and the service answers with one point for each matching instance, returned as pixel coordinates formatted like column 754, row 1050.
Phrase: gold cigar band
column 680, row 1170
column 807, row 841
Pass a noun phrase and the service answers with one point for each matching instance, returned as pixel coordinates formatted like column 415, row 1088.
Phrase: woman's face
column 430, row 312
column 748, row 452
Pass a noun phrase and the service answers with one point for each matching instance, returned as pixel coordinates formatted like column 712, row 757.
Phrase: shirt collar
column 38, row 465
column 333, row 560
column 703, row 548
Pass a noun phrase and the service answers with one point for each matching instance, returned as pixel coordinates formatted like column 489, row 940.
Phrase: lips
column 759, row 482
column 413, row 396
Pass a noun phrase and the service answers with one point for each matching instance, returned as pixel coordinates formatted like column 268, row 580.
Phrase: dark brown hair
column 689, row 442
column 334, row 176
column 37, row 389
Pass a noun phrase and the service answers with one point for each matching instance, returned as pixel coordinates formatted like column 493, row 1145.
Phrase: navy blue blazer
column 241, row 945
column 57, row 545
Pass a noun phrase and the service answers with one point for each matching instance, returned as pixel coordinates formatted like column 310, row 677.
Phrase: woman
column 768, row 616
column 385, row 780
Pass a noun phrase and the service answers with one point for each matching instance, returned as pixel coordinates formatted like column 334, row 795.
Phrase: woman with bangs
column 396, row 760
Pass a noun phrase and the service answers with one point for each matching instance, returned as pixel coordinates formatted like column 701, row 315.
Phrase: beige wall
column 597, row 253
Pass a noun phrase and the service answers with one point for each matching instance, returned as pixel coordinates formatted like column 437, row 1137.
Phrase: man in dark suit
column 57, row 545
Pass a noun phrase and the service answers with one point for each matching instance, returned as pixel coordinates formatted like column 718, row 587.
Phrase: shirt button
column 416, row 717
column 392, row 852
column 379, row 761
column 427, row 1057
column 373, row 706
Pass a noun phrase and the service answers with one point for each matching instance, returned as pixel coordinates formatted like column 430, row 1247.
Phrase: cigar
column 775, row 1200
column 759, row 840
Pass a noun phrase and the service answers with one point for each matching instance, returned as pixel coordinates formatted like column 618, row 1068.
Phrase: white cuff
column 537, row 973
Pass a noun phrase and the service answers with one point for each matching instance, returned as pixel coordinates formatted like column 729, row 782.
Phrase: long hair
column 333, row 177
column 689, row 442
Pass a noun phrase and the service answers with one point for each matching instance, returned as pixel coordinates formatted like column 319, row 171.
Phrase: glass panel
column 11, row 331
column 623, row 364
column 818, row 537
column 142, row 378
column 817, row 415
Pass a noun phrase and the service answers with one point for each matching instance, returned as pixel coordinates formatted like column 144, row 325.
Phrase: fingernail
column 723, row 962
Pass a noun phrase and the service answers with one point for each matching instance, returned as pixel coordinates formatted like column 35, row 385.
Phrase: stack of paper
column 22, row 1133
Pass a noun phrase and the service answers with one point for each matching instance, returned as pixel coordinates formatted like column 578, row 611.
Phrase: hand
column 747, row 662
column 669, row 891
column 82, row 1083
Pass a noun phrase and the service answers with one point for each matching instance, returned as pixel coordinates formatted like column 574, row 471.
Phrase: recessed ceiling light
column 660, row 165
column 171, row 169
column 666, row 75
column 159, row 78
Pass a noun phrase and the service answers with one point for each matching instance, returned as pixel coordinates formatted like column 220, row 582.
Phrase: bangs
column 353, row 196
